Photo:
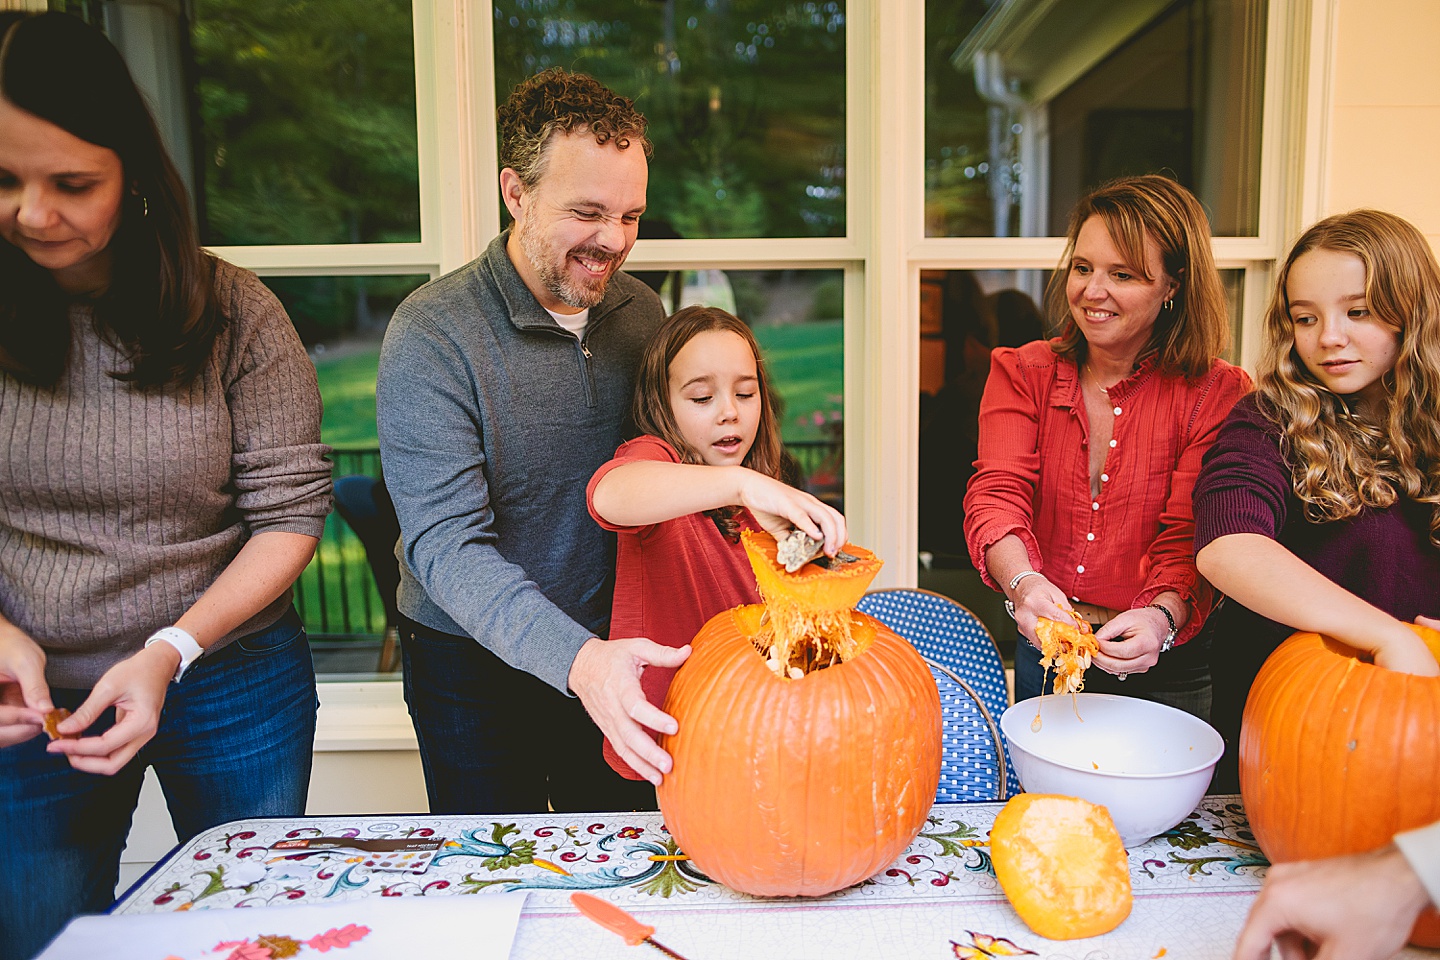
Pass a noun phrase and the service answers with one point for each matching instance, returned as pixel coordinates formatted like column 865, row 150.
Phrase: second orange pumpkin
column 1337, row 755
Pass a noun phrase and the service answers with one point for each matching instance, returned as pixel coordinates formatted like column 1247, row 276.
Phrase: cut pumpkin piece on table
column 1062, row 865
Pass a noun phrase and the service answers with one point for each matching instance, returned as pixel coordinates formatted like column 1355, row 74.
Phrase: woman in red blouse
column 1090, row 444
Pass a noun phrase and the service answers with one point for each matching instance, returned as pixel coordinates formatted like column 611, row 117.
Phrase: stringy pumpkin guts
column 808, row 613
column 1067, row 647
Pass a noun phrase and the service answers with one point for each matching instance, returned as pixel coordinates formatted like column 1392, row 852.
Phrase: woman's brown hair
column 1195, row 329
column 652, row 414
column 161, row 304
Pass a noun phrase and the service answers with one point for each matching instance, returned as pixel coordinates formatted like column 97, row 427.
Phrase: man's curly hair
column 557, row 100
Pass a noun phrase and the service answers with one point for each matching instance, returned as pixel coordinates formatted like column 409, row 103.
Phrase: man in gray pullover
column 502, row 387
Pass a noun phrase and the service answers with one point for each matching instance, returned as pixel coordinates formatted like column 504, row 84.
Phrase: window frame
column 884, row 248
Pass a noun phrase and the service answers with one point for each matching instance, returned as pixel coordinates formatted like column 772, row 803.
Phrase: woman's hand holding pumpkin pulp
column 1036, row 597
column 1132, row 641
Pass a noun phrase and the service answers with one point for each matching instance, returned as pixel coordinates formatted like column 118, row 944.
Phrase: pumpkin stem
column 808, row 613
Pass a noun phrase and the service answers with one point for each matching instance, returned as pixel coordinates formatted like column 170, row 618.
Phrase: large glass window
column 306, row 121
column 1029, row 104
column 291, row 123
column 342, row 321
column 745, row 98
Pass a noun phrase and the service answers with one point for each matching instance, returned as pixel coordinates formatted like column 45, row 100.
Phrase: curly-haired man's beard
column 553, row 268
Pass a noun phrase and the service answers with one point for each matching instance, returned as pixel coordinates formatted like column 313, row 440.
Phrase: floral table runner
column 1193, row 885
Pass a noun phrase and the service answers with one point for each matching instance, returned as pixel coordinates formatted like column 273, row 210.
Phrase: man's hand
column 1359, row 907
column 136, row 688
column 606, row 678
column 24, row 695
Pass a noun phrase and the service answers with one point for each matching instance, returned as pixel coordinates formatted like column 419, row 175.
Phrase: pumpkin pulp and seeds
column 1067, row 647
column 809, row 622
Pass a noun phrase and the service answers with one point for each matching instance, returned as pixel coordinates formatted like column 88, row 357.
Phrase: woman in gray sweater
column 162, row 484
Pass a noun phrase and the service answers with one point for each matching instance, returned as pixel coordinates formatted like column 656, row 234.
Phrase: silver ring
column 1121, row 676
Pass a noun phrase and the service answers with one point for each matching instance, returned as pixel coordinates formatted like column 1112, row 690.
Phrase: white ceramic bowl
column 1149, row 764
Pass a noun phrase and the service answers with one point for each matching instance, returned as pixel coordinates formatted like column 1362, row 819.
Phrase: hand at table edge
column 1356, row 907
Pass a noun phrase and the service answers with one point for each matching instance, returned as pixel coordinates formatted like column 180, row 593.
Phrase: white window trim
column 881, row 256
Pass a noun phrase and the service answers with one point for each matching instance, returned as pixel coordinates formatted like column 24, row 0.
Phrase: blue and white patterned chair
column 971, row 766
column 948, row 634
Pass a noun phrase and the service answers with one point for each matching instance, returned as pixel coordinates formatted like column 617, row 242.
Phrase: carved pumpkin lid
column 812, row 586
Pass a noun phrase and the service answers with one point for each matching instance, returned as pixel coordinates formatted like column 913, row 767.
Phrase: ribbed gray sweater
column 119, row 507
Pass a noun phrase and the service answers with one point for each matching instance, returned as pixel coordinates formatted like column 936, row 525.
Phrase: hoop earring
column 144, row 207
column 1169, row 304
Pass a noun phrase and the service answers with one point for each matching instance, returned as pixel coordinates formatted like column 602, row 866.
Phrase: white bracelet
column 1015, row 580
column 184, row 645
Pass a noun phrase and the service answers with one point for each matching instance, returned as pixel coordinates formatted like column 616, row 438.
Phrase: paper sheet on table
column 472, row 928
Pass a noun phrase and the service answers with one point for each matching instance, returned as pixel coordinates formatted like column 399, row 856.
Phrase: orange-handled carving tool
column 615, row 920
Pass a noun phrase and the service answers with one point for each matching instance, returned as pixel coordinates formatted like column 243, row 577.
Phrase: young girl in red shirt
column 706, row 462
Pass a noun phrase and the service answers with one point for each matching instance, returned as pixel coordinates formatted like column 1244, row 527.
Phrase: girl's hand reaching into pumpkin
column 1401, row 649
column 778, row 507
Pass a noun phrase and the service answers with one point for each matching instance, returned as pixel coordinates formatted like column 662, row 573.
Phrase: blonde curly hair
column 1342, row 462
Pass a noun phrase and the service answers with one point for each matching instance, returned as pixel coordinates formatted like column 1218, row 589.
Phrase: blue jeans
column 234, row 740
column 494, row 739
column 1181, row 679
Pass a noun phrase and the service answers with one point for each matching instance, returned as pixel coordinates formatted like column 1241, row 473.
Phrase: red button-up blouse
column 1136, row 539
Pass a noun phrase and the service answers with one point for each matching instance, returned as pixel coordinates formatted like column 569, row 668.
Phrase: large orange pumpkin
column 1337, row 755
column 800, row 787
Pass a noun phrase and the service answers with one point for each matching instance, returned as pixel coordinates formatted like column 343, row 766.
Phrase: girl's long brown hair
column 651, row 413
column 1195, row 329
column 1341, row 463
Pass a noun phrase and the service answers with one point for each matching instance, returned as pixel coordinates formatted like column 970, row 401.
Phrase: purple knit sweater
column 1384, row 556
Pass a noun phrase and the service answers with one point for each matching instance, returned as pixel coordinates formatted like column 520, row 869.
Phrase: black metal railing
column 336, row 595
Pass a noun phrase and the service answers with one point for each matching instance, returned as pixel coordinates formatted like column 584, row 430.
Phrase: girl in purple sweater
column 1318, row 507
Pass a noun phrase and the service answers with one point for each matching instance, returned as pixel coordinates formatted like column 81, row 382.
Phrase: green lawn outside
column 807, row 364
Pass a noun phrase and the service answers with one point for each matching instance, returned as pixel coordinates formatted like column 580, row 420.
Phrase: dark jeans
column 1181, row 679
column 234, row 740
column 494, row 739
